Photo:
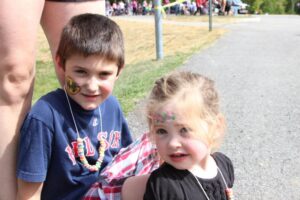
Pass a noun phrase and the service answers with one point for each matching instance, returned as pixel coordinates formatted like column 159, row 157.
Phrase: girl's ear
column 219, row 132
column 220, row 125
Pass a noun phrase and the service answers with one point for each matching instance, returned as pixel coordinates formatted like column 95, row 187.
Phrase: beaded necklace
column 228, row 191
column 80, row 145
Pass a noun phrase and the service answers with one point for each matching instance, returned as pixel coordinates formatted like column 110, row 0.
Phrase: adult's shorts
column 71, row 0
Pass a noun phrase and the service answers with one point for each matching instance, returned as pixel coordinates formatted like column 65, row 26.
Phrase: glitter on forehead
column 163, row 117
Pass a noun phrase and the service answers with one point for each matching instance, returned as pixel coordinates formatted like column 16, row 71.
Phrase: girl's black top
column 169, row 183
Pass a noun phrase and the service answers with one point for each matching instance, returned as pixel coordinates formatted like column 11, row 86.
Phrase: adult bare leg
column 57, row 14
column 19, row 22
column 223, row 5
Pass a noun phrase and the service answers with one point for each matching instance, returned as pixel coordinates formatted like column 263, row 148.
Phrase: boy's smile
column 89, row 80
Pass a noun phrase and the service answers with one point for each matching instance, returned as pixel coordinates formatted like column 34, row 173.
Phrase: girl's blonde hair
column 194, row 96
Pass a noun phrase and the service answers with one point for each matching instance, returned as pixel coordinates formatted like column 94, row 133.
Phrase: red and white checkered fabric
column 137, row 159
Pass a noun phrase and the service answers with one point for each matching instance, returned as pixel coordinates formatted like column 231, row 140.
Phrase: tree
column 271, row 6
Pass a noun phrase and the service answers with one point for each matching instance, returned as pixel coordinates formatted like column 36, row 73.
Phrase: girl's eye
column 184, row 131
column 161, row 131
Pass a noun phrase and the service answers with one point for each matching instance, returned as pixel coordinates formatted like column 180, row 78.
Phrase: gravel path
column 256, row 67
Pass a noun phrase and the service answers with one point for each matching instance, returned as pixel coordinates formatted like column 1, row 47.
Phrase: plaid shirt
column 137, row 159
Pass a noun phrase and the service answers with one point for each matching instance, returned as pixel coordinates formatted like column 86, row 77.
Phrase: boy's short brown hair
column 92, row 34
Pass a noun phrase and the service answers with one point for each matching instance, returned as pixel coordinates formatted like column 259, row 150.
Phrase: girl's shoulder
column 220, row 157
column 225, row 165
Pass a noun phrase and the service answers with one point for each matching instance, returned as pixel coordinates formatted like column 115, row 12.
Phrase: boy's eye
column 105, row 74
column 160, row 131
column 79, row 71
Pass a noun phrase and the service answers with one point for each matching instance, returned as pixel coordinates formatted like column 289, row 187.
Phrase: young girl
column 186, row 126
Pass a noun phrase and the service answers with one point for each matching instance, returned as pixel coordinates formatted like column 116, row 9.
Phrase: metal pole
column 158, row 30
column 210, row 15
column 292, row 7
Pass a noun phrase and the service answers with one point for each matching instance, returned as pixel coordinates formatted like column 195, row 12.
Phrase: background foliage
column 273, row 6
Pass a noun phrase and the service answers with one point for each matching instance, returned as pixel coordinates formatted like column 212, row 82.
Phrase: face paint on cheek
column 71, row 86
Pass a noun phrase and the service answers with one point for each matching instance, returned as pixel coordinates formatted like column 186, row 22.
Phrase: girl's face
column 89, row 80
column 176, row 142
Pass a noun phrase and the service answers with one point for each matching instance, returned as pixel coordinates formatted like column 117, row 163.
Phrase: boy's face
column 89, row 80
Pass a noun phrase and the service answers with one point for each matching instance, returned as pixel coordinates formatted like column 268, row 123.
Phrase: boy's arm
column 29, row 190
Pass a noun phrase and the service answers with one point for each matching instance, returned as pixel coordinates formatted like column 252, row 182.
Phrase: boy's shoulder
column 111, row 104
column 112, row 99
column 51, row 99
column 44, row 107
column 45, row 110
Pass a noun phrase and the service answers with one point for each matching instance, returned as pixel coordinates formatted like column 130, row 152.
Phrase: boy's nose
column 93, row 84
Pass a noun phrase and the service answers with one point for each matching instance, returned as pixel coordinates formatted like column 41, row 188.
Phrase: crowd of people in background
column 188, row 7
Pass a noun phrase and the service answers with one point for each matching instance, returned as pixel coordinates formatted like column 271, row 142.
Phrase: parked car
column 239, row 7
column 243, row 8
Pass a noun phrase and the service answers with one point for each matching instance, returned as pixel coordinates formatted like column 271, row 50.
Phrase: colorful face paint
column 163, row 117
column 71, row 86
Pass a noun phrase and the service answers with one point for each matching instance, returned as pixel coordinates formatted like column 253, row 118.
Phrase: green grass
column 137, row 80
column 45, row 80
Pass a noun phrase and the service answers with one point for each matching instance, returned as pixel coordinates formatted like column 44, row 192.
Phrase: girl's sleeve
column 226, row 163
column 230, row 169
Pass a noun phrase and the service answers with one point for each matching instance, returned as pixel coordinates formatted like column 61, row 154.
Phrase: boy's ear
column 58, row 63
column 120, row 70
column 60, row 69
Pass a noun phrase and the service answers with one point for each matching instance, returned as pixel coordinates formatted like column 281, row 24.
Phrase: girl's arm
column 134, row 187
column 29, row 190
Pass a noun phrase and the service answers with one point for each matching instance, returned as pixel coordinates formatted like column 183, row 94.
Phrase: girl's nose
column 174, row 142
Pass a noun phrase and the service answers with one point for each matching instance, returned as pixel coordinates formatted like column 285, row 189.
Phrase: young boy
column 71, row 134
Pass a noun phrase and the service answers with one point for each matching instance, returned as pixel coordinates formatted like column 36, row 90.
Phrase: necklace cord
column 80, row 143
column 201, row 187
column 72, row 112
column 223, row 177
column 228, row 191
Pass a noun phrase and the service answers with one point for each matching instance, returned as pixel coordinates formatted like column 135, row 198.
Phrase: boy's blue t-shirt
column 48, row 148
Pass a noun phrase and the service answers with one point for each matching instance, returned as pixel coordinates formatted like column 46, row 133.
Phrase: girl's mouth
column 178, row 157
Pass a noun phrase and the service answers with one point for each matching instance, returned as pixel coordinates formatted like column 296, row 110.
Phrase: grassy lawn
column 216, row 19
column 142, row 68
